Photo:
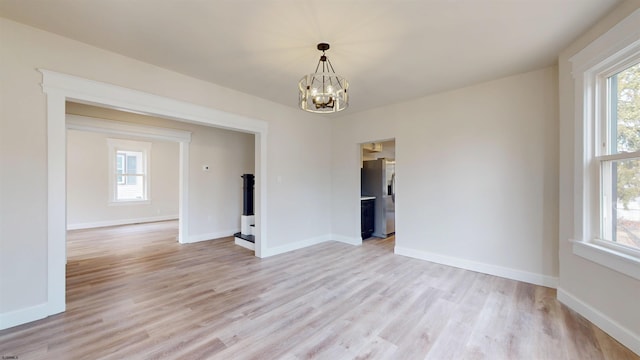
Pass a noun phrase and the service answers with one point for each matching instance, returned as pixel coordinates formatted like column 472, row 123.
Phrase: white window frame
column 124, row 165
column 116, row 145
column 611, row 52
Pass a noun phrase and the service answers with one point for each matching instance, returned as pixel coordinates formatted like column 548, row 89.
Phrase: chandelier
column 323, row 91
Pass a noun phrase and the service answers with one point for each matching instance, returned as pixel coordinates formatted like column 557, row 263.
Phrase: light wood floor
column 134, row 293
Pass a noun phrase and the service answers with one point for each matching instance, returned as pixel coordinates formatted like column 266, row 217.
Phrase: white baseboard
column 296, row 245
column 211, row 235
column 245, row 244
column 346, row 239
column 625, row 336
column 509, row 273
column 98, row 224
column 23, row 316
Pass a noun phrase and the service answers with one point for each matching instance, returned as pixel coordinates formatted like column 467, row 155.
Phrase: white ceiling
column 390, row 51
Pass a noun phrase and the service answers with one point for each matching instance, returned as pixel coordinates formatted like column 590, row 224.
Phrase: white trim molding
column 93, row 92
column 97, row 224
column 212, row 235
column 56, row 205
column 615, row 42
column 24, row 315
column 508, row 273
column 112, row 127
column 347, row 239
column 616, row 260
column 625, row 336
column 60, row 88
column 296, row 245
column 244, row 243
column 310, row 242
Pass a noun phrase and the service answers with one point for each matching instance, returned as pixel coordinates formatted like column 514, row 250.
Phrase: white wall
column 215, row 196
column 298, row 179
column 476, row 172
column 606, row 297
column 88, row 183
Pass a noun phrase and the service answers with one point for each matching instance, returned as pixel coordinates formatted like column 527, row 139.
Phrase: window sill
column 129, row 202
column 615, row 260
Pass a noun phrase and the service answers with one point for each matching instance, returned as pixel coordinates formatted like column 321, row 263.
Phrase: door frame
column 147, row 132
column 359, row 175
column 60, row 88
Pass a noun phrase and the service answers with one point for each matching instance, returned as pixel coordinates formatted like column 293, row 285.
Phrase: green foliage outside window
column 628, row 132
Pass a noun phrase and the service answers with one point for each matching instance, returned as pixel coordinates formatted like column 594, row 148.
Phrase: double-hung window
column 607, row 159
column 128, row 171
column 619, row 155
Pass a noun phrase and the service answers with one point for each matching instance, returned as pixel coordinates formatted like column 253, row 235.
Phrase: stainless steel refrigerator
column 378, row 179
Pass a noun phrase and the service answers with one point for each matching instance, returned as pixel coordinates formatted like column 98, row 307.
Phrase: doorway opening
column 122, row 173
column 62, row 88
column 176, row 159
column 378, row 191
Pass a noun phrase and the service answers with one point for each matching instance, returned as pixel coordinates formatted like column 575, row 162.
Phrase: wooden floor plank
column 134, row 292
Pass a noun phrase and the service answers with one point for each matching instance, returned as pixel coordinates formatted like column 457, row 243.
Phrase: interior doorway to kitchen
column 378, row 192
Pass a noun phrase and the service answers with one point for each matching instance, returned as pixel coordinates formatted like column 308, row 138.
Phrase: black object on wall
column 247, row 194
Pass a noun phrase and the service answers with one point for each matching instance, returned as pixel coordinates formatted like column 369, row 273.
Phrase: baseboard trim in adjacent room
column 513, row 274
column 212, row 235
column 296, row 245
column 245, row 244
column 625, row 336
column 346, row 239
column 23, row 316
column 97, row 224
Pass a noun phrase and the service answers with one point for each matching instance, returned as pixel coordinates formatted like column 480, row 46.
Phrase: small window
column 130, row 175
column 128, row 171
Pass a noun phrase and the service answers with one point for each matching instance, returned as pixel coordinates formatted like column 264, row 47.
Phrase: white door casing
column 61, row 88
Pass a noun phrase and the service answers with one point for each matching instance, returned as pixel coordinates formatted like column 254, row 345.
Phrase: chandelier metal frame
column 324, row 91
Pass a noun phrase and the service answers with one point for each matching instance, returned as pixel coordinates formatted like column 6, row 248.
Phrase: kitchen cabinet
column 367, row 216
